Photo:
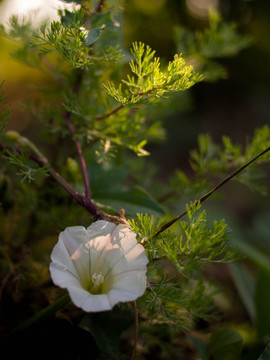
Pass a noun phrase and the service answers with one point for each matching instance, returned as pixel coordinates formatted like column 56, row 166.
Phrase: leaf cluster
column 73, row 39
column 28, row 170
column 211, row 158
column 149, row 81
column 186, row 295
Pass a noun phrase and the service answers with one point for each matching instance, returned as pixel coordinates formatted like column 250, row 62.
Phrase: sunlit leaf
column 225, row 344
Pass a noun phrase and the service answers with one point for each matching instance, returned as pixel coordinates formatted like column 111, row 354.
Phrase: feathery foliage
column 96, row 105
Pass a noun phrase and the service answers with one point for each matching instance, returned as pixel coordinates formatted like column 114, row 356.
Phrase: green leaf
column 262, row 295
column 75, row 18
column 109, row 191
column 132, row 201
column 225, row 344
column 255, row 255
column 245, row 286
column 265, row 355
column 200, row 347
column 104, row 20
column 93, row 35
column 106, row 329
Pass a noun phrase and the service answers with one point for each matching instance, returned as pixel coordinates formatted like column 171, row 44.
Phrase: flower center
column 96, row 284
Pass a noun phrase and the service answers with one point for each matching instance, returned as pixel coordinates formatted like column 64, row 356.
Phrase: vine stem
column 136, row 317
column 119, row 107
column 89, row 206
column 207, row 195
column 81, row 158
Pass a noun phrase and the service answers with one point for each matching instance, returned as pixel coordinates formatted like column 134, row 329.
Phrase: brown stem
column 88, row 205
column 100, row 6
column 80, row 154
column 206, row 196
column 42, row 163
column 119, row 107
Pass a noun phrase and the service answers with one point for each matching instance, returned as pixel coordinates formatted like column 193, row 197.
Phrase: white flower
column 35, row 10
column 99, row 266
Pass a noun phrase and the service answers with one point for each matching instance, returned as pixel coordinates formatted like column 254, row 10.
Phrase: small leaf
column 254, row 254
column 69, row 18
column 93, row 35
column 200, row 347
column 132, row 201
column 104, row 19
column 265, row 354
column 225, row 344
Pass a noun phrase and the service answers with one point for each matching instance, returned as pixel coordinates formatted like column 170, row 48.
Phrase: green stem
column 42, row 315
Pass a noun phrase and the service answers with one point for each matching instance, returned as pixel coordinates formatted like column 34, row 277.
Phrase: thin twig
column 119, row 107
column 100, row 6
column 206, row 196
column 80, row 154
column 89, row 206
column 44, row 163
column 136, row 330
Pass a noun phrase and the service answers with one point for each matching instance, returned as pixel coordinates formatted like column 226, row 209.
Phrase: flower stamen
column 96, row 284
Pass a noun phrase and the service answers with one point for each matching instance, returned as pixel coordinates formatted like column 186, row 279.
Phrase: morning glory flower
column 99, row 266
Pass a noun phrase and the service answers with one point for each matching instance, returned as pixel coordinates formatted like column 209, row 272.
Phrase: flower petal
column 63, row 277
column 128, row 287
column 135, row 259
column 133, row 281
column 124, row 237
column 88, row 302
column 107, row 250
column 71, row 250
column 100, row 228
column 127, row 250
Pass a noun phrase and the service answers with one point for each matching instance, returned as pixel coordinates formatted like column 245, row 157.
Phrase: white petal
column 124, row 237
column 100, row 228
column 123, row 248
column 63, row 277
column 136, row 259
column 128, row 287
column 99, row 243
column 89, row 302
column 98, row 250
column 133, row 281
column 61, row 257
column 74, row 240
